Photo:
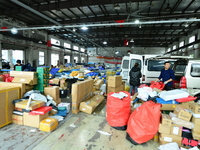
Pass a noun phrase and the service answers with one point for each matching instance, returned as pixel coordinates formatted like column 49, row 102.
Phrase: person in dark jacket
column 18, row 64
column 135, row 75
column 167, row 76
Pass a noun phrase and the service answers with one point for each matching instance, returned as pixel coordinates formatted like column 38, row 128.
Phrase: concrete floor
column 82, row 137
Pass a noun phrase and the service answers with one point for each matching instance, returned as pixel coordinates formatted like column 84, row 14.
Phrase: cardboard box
column 114, row 81
column 54, row 81
column 196, row 121
column 33, row 120
column 33, row 105
column 81, row 91
column 53, row 91
column 167, row 138
column 123, row 83
column 63, row 83
column 196, row 135
column 168, row 106
column 26, row 74
column 28, row 81
column 156, row 137
column 98, row 83
column 115, row 89
column 90, row 105
column 176, row 130
column 22, row 86
column 58, row 101
column 166, row 120
column 183, row 113
column 98, row 92
column 196, row 128
column 7, row 95
column 186, row 105
column 17, row 119
column 164, row 129
column 195, row 108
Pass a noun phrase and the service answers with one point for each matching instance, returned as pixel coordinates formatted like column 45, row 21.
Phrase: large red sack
column 118, row 111
column 144, row 122
column 158, row 85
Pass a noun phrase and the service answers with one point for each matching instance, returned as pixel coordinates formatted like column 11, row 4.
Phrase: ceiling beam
column 187, row 6
column 175, row 6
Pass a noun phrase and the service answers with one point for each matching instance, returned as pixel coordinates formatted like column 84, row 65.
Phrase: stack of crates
column 43, row 78
column 18, row 68
column 110, row 73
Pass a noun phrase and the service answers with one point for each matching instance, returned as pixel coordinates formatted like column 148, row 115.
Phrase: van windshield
column 125, row 64
column 155, row 65
column 133, row 61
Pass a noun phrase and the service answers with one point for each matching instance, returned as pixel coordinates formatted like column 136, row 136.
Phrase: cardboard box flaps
column 33, row 105
column 90, row 105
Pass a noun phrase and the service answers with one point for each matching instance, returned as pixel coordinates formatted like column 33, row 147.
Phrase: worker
column 18, row 64
column 135, row 75
column 167, row 76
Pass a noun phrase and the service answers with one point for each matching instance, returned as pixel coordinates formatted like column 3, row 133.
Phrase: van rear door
column 134, row 58
column 125, row 68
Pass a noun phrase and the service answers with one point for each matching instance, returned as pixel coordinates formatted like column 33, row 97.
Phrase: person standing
column 135, row 75
column 18, row 64
column 167, row 76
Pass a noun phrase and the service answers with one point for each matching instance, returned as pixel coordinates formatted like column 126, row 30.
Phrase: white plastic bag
column 142, row 94
column 173, row 94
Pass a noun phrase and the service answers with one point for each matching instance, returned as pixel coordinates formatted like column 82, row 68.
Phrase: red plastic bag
column 158, row 85
column 144, row 122
column 7, row 78
column 186, row 99
column 41, row 111
column 118, row 111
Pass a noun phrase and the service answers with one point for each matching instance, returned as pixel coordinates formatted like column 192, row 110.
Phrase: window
column 180, row 69
column 191, row 39
column 169, row 49
column 55, row 42
column 67, row 45
column 75, row 48
column 41, row 58
column 75, row 59
column 67, row 59
column 54, row 59
column 82, row 50
column 181, row 44
column 195, row 70
column 133, row 61
column 125, row 64
column 155, row 65
column 174, row 47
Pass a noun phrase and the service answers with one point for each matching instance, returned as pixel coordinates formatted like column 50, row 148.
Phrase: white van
column 150, row 66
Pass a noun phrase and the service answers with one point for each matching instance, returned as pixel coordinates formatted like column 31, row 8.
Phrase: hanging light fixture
column 186, row 24
column 14, row 31
column 132, row 40
column 168, row 8
column 104, row 42
column 117, row 7
column 84, row 28
column 137, row 21
column 117, row 52
column 40, row 42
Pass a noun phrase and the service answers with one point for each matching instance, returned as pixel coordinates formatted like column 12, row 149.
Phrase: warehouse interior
column 84, row 50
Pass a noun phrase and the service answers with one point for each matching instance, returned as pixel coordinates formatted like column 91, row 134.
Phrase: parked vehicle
column 187, row 71
column 5, row 64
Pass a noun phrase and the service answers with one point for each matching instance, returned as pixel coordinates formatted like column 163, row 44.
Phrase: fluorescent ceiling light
column 132, row 40
column 104, row 42
column 40, row 42
column 117, row 52
column 137, row 21
column 117, row 7
column 14, row 31
column 84, row 28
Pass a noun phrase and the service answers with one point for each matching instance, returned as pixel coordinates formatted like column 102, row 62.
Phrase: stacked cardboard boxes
column 27, row 77
column 195, row 108
column 7, row 94
column 171, row 127
column 54, row 92
column 43, row 78
column 115, row 84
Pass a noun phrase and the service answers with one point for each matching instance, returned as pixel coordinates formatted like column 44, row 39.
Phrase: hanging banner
column 104, row 57
column 111, row 62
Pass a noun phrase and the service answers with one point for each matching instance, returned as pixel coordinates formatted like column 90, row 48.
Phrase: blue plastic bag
column 162, row 101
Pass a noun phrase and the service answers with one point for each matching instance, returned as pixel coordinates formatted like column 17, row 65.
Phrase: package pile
column 43, row 78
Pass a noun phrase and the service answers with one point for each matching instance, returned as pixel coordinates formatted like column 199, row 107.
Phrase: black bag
column 130, row 139
column 123, row 128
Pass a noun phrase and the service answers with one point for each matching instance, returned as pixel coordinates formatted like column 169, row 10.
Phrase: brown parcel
column 22, row 86
column 90, row 105
column 114, row 81
column 81, row 91
column 7, row 95
column 196, row 128
column 195, row 108
column 33, row 120
column 25, row 80
column 168, row 106
column 33, row 105
column 54, row 81
column 53, row 91
column 17, row 119
column 164, row 129
column 183, row 113
column 196, row 135
column 176, row 130
column 98, row 84
column 63, row 83
column 196, row 120
column 27, row 74
column 167, row 138
column 115, row 89
column 166, row 120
